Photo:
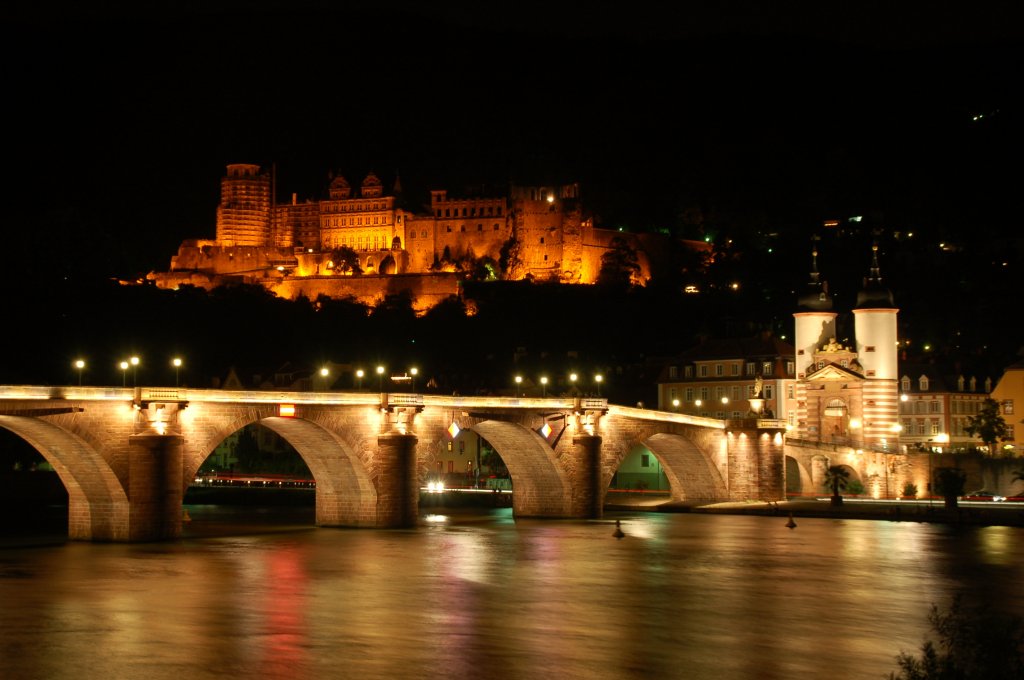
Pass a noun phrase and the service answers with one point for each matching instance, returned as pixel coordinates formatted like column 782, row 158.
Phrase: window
column 673, row 372
column 767, row 368
column 790, row 367
column 768, row 392
column 789, row 391
column 1008, row 407
column 688, row 371
column 923, row 383
column 689, row 394
column 462, row 446
column 719, row 370
column 542, row 240
column 935, row 427
column 869, row 348
column 703, row 370
column 645, row 460
column 704, row 394
column 734, row 369
column 751, row 368
column 905, row 384
column 960, row 384
column 933, row 406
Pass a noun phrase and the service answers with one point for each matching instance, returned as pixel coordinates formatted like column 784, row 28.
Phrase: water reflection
column 485, row 596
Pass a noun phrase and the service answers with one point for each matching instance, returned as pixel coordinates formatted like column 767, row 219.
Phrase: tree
column 988, row 425
column 346, row 261
column 510, row 260
column 977, row 646
column 836, row 478
column 949, row 483
column 619, row 264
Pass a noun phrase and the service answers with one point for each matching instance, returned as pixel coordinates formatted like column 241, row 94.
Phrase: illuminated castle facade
column 847, row 393
column 292, row 248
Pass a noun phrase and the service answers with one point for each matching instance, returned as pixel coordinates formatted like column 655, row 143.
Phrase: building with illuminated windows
column 366, row 241
column 935, row 406
column 1009, row 392
column 717, row 378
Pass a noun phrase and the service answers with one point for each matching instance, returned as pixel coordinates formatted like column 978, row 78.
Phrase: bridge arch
column 541, row 487
column 97, row 503
column 690, row 473
column 345, row 491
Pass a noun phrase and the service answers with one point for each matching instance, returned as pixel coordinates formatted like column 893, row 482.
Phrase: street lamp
column 519, row 382
column 598, row 379
column 324, row 372
column 124, row 373
column 79, row 364
column 675, row 404
column 380, row 378
column 544, row 385
column 135, row 369
column 414, row 372
column 572, row 381
column 176, row 362
column 359, row 378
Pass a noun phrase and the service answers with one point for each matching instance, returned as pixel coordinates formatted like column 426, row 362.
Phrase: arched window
column 905, row 383
column 923, row 383
column 835, row 407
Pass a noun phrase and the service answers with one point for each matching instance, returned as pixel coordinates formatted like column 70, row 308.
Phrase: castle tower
column 875, row 330
column 815, row 326
column 243, row 216
column 815, row 320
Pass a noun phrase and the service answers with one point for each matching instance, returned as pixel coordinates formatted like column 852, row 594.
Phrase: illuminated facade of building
column 717, row 379
column 1009, row 392
column 292, row 248
column 847, row 393
column 935, row 406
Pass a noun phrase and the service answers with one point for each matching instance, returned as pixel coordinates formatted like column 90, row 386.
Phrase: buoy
column 791, row 524
column 618, row 530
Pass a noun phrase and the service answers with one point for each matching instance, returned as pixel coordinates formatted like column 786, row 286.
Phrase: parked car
column 983, row 495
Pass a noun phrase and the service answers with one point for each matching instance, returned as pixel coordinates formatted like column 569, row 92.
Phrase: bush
column 988, row 646
column 854, row 487
column 910, row 490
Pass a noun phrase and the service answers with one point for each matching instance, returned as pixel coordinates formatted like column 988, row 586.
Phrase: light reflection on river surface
column 481, row 595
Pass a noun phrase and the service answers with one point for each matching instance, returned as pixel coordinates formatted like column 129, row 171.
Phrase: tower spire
column 817, row 297
column 873, row 293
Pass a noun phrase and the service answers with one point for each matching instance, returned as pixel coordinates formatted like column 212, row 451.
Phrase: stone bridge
column 126, row 456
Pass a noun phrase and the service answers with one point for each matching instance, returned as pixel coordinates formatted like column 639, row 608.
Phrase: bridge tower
column 874, row 320
column 815, row 326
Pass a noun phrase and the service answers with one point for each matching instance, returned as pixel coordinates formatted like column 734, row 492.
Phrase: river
column 479, row 594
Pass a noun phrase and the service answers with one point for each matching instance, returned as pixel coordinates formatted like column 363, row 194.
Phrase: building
column 935, row 406
column 347, row 244
column 846, row 392
column 717, row 378
column 1009, row 392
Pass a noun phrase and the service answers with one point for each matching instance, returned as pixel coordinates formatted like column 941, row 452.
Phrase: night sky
column 120, row 122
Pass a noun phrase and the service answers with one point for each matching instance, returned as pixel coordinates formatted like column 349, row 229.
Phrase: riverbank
column 968, row 513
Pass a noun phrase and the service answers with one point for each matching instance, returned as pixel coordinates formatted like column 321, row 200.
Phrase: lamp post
column 380, row 378
column 598, row 379
column 124, row 373
column 359, row 378
column 176, row 362
column 544, row 385
column 324, row 372
column 135, row 370
column 519, row 382
column 414, row 372
column 572, row 382
column 79, row 364
column 675, row 404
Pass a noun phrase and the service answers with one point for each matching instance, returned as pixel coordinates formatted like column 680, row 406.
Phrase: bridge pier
column 397, row 484
column 588, row 501
column 756, row 465
column 155, row 487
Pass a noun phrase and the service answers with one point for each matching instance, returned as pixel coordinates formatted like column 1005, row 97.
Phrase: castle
column 366, row 243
